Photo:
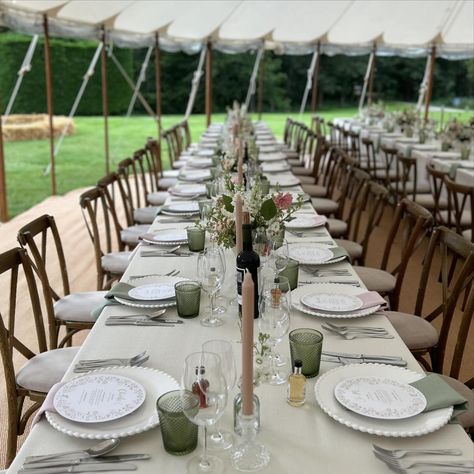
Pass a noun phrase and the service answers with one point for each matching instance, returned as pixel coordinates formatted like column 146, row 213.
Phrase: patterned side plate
column 332, row 302
column 152, row 291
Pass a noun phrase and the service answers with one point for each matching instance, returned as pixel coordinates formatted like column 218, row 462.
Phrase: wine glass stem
column 212, row 297
column 273, row 345
column 204, row 462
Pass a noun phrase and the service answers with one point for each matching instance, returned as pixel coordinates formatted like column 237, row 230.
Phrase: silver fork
column 400, row 453
column 349, row 335
column 87, row 365
column 350, row 328
column 327, row 273
column 302, row 234
column 171, row 273
column 396, row 463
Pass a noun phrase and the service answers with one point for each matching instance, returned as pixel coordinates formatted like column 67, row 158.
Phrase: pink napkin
column 370, row 299
column 48, row 404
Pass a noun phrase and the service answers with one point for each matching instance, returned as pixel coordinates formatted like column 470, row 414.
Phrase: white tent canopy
column 404, row 27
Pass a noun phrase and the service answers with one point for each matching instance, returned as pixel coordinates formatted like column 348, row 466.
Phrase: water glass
column 265, row 186
column 179, row 434
column 196, row 239
column 291, row 272
column 188, row 298
column 306, row 344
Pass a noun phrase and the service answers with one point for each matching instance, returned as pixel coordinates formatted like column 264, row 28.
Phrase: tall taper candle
column 247, row 344
column 238, row 224
column 240, row 168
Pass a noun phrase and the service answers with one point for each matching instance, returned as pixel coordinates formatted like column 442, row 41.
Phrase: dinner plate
column 382, row 398
column 182, row 207
column 199, row 163
column 155, row 384
column 152, row 291
column 275, row 167
column 283, row 181
column 276, row 156
column 333, row 288
column 96, row 398
column 186, row 190
column 414, row 426
column 205, row 153
column 333, row 302
column 310, row 254
column 306, row 222
column 194, row 175
column 163, row 237
column 295, row 194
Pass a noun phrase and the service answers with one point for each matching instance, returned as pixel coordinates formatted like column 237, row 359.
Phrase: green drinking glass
column 306, row 344
column 196, row 239
column 291, row 272
column 188, row 298
column 265, row 186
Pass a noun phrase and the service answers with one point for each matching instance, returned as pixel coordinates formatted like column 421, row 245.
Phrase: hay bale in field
column 35, row 127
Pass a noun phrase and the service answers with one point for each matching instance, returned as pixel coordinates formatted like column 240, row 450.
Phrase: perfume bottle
column 296, row 395
column 200, row 386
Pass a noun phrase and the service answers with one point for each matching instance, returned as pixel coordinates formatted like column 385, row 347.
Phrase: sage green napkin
column 339, row 252
column 440, row 395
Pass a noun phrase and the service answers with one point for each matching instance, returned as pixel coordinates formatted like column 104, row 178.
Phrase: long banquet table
column 300, row 440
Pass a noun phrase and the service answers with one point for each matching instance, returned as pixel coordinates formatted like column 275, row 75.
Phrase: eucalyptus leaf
column 228, row 203
column 268, row 209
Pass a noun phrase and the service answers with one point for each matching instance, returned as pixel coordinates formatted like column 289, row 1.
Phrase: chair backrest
column 186, row 133
column 170, row 138
column 460, row 201
column 407, row 173
column 101, row 226
column 287, row 131
column 371, row 155
column 456, row 274
column 33, row 237
column 438, row 186
column 151, row 166
column 354, row 150
column 14, row 264
column 130, row 179
column 412, row 223
column 390, row 156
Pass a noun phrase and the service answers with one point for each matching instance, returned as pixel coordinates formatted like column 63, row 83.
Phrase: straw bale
column 35, row 127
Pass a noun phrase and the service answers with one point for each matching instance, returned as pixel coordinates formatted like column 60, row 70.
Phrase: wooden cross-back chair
column 104, row 231
column 370, row 163
column 410, row 224
column 63, row 309
column 354, row 151
column 42, row 368
column 154, row 177
column 460, row 207
column 186, row 132
column 438, row 189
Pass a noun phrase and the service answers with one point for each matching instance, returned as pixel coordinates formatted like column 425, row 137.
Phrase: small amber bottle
column 296, row 395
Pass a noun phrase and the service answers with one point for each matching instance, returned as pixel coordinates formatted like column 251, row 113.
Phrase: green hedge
column 70, row 60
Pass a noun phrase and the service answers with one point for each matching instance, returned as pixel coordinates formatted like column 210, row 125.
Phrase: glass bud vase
column 238, row 409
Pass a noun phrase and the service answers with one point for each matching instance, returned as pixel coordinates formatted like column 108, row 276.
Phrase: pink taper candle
column 238, row 224
column 240, row 168
column 248, row 289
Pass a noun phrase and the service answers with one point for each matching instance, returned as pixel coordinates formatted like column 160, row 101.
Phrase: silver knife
column 137, row 323
column 98, row 467
column 340, row 359
column 84, row 460
column 144, row 320
column 360, row 356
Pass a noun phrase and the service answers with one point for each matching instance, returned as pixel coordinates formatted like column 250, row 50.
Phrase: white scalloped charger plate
column 306, row 222
column 186, row 190
column 283, row 181
column 333, row 302
column 152, row 291
column 155, row 383
column 310, row 254
column 417, row 425
column 302, row 291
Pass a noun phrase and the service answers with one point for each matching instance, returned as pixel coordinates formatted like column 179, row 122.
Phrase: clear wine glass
column 219, row 308
column 278, row 258
column 222, row 439
column 203, row 379
column 275, row 321
column 211, row 271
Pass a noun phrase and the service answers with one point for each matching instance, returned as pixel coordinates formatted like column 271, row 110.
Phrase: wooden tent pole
column 208, row 102
column 314, row 92
column 50, row 103
column 261, row 80
column 3, row 181
column 372, row 76
column 430, row 83
column 105, row 100
column 158, row 82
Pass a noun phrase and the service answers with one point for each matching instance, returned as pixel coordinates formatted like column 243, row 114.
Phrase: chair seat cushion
column 467, row 234
column 416, row 332
column 315, row 190
column 170, row 173
column 354, row 249
column 382, row 174
column 422, row 187
column 466, row 419
column 41, row 372
column 158, row 197
column 77, row 307
column 324, row 205
column 292, row 155
column 376, row 280
column 130, row 234
column 115, row 262
column 336, row 227
column 425, row 200
column 165, row 183
column 306, row 179
column 302, row 171
column 466, row 218
column 145, row 215
column 178, row 164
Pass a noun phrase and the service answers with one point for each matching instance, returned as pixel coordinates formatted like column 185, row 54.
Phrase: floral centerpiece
column 406, row 119
column 456, row 132
column 268, row 212
column 374, row 112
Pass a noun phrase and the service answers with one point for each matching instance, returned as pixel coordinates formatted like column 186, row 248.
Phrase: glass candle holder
column 196, row 239
column 188, row 298
column 238, row 409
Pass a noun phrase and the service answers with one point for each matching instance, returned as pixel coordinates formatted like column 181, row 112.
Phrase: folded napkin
column 370, row 299
column 339, row 252
column 48, row 404
column 440, row 395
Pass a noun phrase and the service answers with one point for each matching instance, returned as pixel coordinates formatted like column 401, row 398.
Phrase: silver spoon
column 99, row 449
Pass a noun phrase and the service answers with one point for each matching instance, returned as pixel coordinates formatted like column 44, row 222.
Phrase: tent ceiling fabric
column 402, row 27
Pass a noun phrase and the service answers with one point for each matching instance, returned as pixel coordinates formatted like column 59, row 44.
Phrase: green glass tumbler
column 291, row 272
column 210, row 189
column 188, row 298
column 265, row 186
column 306, row 344
column 196, row 239
column 180, row 435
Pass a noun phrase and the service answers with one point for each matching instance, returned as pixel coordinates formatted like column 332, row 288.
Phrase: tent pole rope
column 195, row 83
column 315, row 91
column 129, row 81
column 3, row 181
column 253, row 77
column 50, row 103
column 261, row 82
column 309, row 80
column 208, row 98
column 25, row 67
column 430, row 83
column 158, row 85
column 366, row 80
column 424, row 84
column 141, row 79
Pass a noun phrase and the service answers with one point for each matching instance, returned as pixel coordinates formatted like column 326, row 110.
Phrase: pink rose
column 283, row 201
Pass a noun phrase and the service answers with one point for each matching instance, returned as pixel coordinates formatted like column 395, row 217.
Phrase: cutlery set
column 171, row 273
column 354, row 332
column 91, row 364
column 345, row 359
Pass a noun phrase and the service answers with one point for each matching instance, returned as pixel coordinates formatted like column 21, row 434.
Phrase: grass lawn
column 80, row 161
